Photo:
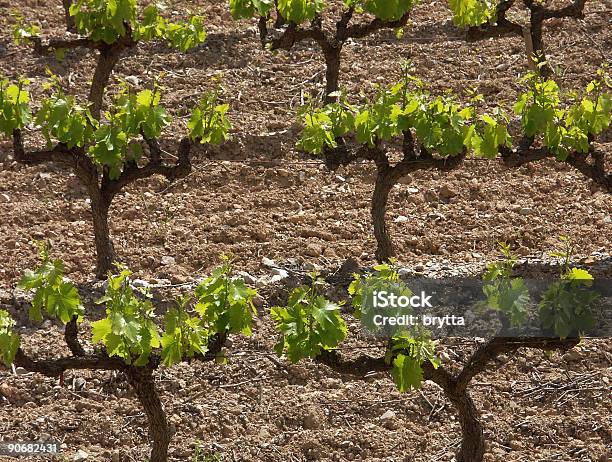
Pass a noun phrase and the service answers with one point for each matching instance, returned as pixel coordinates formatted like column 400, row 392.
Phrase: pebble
column 80, row 456
column 140, row 283
column 268, row 262
column 389, row 420
column 227, row 431
column 281, row 273
column 246, row 277
column 313, row 250
column 79, row 383
column 167, row 260
column 264, row 433
column 133, row 80
column 446, row 192
column 572, row 355
column 312, row 420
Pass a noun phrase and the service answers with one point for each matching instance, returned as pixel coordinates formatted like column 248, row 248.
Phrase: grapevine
column 411, row 354
column 196, row 329
column 436, row 132
column 108, row 150
column 304, row 19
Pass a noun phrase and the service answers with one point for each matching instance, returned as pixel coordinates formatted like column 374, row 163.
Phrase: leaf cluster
column 208, row 122
column 109, row 20
column 15, row 111
column 567, row 306
column 300, row 11
column 471, row 13
column 223, row 305
column 504, row 293
column 9, row 340
column 182, row 36
column 128, row 330
column 58, row 297
column 407, row 354
column 564, row 129
column 308, row 324
column 117, row 138
column 439, row 122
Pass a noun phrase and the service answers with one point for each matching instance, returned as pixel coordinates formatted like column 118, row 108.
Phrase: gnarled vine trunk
column 141, row 378
column 380, row 198
column 332, row 72
column 70, row 25
column 472, row 443
column 108, row 58
column 105, row 252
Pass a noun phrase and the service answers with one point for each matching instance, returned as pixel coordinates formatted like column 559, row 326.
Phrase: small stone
column 280, row 272
column 446, row 192
column 313, row 250
column 332, row 383
column 133, row 80
column 80, row 456
column 20, row 371
column 140, row 283
column 79, row 383
column 430, row 196
column 264, row 433
column 246, row 277
column 329, row 252
column 268, row 262
column 389, row 420
column 572, row 355
column 276, row 278
column 400, row 219
column 167, row 260
column 10, row 392
column 525, row 211
column 313, row 419
column 178, row 279
column 227, row 431
column 5, row 198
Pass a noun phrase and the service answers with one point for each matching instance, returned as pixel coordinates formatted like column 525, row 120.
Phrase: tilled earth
column 257, row 197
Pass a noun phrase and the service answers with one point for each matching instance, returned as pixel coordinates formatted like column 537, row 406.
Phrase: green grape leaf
column 9, row 340
column 208, row 122
column 407, row 373
column 389, row 10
